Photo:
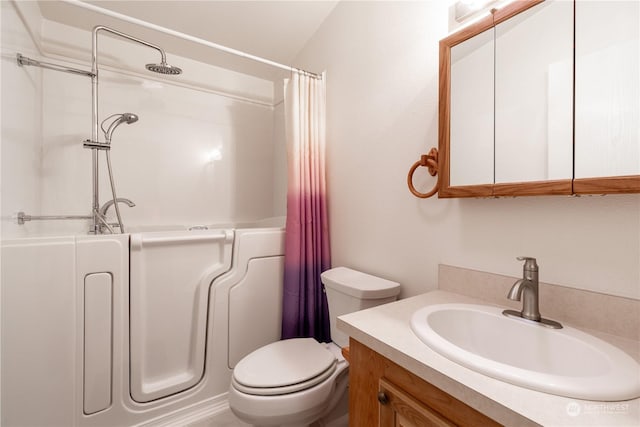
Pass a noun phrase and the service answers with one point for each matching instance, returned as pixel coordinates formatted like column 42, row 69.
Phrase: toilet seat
column 284, row 367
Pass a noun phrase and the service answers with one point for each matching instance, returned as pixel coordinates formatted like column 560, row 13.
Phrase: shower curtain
column 304, row 310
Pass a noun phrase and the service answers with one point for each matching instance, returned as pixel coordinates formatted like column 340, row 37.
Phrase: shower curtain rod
column 188, row 37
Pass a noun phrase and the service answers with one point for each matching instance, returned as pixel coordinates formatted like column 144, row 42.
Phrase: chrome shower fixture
column 98, row 221
column 94, row 144
column 164, row 68
column 127, row 118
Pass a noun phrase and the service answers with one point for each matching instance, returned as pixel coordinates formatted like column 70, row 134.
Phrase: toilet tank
column 350, row 290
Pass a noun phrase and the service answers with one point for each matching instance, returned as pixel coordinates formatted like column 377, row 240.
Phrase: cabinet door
column 399, row 409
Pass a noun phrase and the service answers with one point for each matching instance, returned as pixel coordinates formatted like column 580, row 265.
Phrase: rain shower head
column 127, row 118
column 164, row 68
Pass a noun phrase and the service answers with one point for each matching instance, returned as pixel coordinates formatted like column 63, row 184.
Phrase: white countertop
column 386, row 329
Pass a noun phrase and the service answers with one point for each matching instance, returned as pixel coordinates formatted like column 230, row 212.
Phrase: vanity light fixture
column 465, row 9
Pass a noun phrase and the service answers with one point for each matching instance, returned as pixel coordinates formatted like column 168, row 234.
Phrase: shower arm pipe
column 94, row 69
column 188, row 37
column 94, row 143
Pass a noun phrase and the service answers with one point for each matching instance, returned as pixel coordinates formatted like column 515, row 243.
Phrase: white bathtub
column 88, row 341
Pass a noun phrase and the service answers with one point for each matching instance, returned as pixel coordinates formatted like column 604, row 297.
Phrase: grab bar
column 23, row 60
column 22, row 217
column 226, row 235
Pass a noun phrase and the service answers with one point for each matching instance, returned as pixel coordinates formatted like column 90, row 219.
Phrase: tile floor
column 222, row 419
column 227, row 419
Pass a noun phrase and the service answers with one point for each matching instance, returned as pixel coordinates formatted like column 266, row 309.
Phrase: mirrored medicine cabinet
column 522, row 112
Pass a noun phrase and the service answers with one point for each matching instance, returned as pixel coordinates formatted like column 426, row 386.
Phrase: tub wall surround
column 382, row 104
column 21, row 117
column 223, row 170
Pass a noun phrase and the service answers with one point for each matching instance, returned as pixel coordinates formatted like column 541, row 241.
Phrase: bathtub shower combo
column 138, row 329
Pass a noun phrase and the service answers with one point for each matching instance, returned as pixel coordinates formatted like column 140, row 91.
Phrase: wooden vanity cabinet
column 382, row 393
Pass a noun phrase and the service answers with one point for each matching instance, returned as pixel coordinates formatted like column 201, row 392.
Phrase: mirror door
column 607, row 79
column 506, row 103
column 472, row 105
column 534, row 95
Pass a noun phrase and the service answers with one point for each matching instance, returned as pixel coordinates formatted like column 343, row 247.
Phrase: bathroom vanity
column 395, row 379
column 385, row 392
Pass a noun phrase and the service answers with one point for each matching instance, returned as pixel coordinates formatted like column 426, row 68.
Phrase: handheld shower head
column 127, row 118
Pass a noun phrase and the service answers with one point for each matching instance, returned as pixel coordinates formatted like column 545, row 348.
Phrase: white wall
column 382, row 64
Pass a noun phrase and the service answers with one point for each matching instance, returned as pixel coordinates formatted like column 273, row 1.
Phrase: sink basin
column 565, row 362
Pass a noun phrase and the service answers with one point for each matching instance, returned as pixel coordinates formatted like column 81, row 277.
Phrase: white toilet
column 299, row 381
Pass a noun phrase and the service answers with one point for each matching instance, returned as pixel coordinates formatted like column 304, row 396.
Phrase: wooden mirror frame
column 598, row 185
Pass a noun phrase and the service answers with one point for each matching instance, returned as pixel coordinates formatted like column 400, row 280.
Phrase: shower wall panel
column 21, row 138
column 202, row 152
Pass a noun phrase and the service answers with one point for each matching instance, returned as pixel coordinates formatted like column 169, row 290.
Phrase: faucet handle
column 529, row 263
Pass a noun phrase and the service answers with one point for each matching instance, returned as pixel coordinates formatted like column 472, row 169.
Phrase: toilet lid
column 299, row 362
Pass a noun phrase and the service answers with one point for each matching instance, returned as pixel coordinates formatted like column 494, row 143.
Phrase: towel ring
column 429, row 161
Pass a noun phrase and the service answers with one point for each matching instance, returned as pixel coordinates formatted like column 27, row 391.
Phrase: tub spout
column 101, row 215
column 109, row 203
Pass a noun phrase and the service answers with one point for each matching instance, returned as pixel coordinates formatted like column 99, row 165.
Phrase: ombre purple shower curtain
column 304, row 310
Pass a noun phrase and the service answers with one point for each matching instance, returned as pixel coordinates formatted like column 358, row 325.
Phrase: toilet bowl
column 289, row 382
column 300, row 381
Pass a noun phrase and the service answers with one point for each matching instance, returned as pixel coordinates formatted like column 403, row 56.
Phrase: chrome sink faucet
column 526, row 289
